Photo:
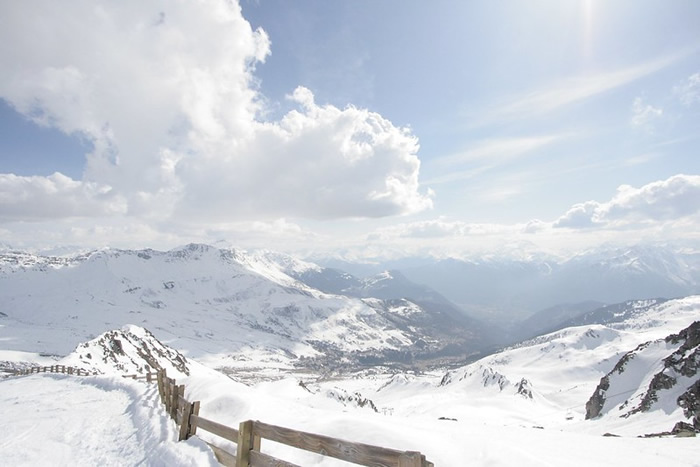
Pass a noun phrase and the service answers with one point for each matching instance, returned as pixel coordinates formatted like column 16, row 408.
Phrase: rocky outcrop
column 129, row 350
column 595, row 404
column 678, row 370
column 689, row 401
column 354, row 399
column 524, row 388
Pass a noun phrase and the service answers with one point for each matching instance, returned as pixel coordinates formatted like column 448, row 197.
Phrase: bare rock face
column 678, row 368
column 524, row 388
column 595, row 404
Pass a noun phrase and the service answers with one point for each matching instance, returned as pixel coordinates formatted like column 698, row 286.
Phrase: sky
column 362, row 129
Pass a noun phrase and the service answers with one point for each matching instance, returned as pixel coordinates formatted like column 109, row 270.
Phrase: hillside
column 225, row 307
column 525, row 405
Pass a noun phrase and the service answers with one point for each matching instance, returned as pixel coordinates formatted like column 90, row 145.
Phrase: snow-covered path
column 106, row 421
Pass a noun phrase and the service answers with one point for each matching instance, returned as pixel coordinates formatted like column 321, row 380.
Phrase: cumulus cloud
column 666, row 200
column 166, row 93
column 317, row 162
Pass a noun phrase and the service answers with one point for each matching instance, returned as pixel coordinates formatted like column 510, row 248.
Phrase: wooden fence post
column 166, row 394
column 185, row 425
column 161, row 385
column 193, row 426
column 159, row 378
column 177, row 391
column 245, row 443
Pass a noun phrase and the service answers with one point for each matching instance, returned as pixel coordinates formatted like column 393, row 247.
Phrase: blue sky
column 376, row 128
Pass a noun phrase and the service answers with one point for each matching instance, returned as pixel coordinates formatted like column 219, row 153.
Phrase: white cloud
column 318, row 162
column 580, row 215
column 689, row 90
column 662, row 201
column 55, row 196
column 644, row 115
column 165, row 91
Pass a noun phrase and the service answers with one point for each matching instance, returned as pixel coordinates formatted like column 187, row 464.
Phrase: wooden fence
column 68, row 370
column 249, row 434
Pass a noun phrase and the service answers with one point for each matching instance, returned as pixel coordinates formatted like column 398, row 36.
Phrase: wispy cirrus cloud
column 486, row 155
column 574, row 89
column 499, row 150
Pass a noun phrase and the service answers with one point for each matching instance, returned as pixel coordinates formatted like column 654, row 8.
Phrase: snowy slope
column 227, row 307
column 543, row 382
column 61, row 420
column 450, row 334
column 220, row 305
column 655, row 384
column 523, row 406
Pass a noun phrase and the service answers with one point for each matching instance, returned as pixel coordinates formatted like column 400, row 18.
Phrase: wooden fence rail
column 250, row 433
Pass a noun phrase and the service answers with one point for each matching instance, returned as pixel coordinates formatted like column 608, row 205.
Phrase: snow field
column 62, row 420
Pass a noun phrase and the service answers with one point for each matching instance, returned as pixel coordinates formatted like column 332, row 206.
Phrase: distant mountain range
column 225, row 307
column 230, row 306
column 503, row 290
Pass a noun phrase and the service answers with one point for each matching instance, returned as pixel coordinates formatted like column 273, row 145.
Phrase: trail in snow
column 104, row 421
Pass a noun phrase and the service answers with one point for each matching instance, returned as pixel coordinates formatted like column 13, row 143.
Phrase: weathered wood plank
column 166, row 394
column 177, row 391
column 410, row 459
column 245, row 443
column 185, row 422
column 160, row 377
column 358, row 453
column 216, row 428
column 259, row 459
column 193, row 423
column 225, row 458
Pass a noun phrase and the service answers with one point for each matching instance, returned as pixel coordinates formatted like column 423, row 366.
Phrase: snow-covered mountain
column 227, row 307
column 440, row 319
column 550, row 379
column 525, row 405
